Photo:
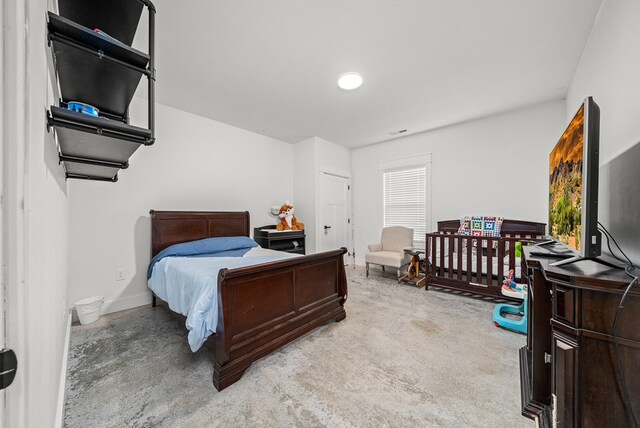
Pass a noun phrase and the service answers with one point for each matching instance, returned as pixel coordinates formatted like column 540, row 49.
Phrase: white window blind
column 405, row 200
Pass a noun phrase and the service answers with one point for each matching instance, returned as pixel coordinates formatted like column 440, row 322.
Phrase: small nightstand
column 291, row 241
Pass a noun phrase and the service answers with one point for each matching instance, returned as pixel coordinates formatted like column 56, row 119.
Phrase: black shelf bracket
column 97, row 52
column 151, row 77
column 52, row 122
column 96, row 162
column 90, row 177
column 149, row 5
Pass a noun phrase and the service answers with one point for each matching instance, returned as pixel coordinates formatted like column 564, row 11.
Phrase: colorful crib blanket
column 481, row 226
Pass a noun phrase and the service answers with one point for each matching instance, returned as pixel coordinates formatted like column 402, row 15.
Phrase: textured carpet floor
column 403, row 357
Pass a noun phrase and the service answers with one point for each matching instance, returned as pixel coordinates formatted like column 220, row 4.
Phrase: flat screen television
column 573, row 183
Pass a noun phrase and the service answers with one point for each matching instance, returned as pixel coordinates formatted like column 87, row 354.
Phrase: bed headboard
column 509, row 227
column 173, row 227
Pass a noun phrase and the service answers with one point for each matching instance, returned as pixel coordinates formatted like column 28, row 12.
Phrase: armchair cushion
column 385, row 258
column 375, row 247
column 396, row 238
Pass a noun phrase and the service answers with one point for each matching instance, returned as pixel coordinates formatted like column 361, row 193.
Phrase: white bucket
column 89, row 309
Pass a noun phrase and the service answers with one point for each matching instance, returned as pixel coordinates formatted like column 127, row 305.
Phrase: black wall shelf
column 103, row 71
column 100, row 14
column 93, row 67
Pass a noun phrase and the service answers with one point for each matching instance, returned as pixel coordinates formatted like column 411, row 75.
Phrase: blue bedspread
column 190, row 286
column 230, row 246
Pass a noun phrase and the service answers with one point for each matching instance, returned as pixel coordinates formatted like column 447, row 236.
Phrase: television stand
column 568, row 370
column 580, row 258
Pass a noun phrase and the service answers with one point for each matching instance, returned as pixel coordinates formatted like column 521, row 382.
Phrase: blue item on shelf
column 102, row 33
column 83, row 108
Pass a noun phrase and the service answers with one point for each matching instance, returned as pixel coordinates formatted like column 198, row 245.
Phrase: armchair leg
column 367, row 269
column 399, row 275
column 383, row 269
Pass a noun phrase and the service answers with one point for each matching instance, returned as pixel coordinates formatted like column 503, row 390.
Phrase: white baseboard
column 59, row 421
column 123, row 303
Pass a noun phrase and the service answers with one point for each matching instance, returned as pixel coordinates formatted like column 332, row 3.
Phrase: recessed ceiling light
column 350, row 80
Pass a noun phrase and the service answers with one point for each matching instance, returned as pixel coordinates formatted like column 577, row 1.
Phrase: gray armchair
column 390, row 250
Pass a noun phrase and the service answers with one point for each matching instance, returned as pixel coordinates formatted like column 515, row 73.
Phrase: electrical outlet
column 120, row 275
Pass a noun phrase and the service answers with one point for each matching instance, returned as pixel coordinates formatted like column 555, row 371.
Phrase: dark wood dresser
column 568, row 367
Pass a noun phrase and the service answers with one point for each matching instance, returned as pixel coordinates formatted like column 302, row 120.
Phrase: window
column 405, row 200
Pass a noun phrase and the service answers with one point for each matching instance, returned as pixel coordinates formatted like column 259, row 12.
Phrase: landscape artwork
column 565, row 184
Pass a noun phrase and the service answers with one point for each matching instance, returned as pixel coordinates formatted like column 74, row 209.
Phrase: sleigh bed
column 260, row 307
column 477, row 264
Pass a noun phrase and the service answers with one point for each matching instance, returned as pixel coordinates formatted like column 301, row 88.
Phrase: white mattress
column 474, row 263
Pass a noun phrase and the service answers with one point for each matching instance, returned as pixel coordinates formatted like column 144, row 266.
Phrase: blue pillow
column 227, row 246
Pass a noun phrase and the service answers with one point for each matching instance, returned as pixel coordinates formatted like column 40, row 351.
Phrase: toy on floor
column 511, row 289
column 413, row 269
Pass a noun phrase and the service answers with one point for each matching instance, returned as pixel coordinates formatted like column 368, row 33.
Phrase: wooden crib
column 454, row 263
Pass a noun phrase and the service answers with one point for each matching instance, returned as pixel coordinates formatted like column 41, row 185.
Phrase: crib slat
column 479, row 260
column 469, row 264
column 490, row 261
column 433, row 255
column 442, row 255
column 450, row 245
column 459, row 253
column 500, row 272
column 512, row 256
column 427, row 253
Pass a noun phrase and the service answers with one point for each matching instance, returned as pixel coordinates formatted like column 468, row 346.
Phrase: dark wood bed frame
column 260, row 307
column 462, row 277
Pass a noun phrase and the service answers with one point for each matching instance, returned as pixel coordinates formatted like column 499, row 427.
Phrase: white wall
column 37, row 315
column 312, row 157
column 304, row 185
column 331, row 157
column 195, row 164
column 492, row 166
column 609, row 70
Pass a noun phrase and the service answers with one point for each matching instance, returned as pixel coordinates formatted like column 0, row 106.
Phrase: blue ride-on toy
column 511, row 289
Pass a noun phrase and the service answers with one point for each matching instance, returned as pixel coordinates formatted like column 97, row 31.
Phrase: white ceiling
column 271, row 66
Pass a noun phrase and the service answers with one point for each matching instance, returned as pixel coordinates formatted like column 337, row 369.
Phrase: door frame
column 14, row 114
column 3, row 166
column 336, row 172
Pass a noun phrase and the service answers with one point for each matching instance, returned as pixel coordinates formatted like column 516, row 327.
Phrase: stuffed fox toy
column 288, row 221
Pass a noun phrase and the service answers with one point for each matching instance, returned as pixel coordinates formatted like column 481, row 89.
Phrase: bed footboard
column 263, row 307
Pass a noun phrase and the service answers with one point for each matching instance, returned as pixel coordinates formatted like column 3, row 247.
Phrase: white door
column 335, row 224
